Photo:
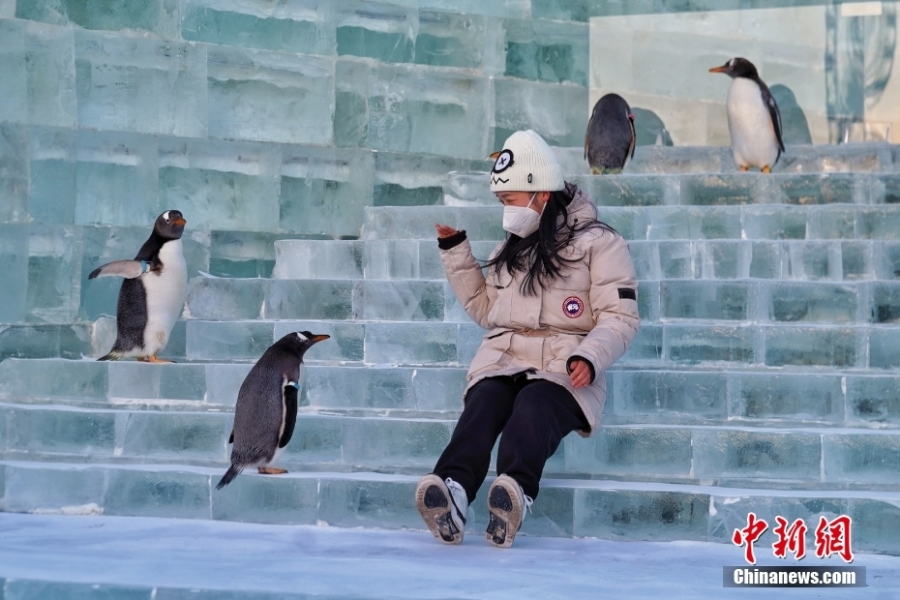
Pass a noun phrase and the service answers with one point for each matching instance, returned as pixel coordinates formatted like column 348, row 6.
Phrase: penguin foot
column 153, row 359
column 271, row 471
column 744, row 169
column 766, row 169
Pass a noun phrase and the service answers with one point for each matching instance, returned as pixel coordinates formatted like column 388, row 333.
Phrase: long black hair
column 538, row 255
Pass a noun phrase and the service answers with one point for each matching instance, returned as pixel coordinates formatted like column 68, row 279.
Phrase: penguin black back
column 610, row 137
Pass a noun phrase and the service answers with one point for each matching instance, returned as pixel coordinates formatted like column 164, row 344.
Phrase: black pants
column 533, row 416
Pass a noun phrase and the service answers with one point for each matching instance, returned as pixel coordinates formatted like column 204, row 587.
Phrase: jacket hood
column 582, row 207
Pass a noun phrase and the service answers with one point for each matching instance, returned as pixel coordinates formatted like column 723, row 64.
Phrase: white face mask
column 521, row 220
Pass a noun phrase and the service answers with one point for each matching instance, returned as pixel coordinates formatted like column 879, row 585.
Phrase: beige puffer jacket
column 590, row 311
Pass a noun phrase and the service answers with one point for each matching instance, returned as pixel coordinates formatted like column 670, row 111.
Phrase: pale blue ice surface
column 112, row 557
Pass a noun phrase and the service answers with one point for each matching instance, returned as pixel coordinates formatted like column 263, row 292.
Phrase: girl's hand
column 444, row 231
column 581, row 373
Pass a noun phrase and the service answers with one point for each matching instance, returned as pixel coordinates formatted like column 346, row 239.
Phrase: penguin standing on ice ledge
column 266, row 410
column 610, row 138
column 153, row 293
column 753, row 118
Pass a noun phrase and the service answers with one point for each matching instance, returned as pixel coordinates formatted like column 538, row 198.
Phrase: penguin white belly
column 166, row 293
column 753, row 141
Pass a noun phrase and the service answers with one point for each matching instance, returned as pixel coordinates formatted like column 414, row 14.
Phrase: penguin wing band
column 129, row 269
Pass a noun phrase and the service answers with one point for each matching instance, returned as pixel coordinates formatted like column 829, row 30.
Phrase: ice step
column 801, row 260
column 750, row 222
column 640, row 393
column 727, row 455
column 735, row 300
column 465, row 189
column 565, row 508
column 870, row 157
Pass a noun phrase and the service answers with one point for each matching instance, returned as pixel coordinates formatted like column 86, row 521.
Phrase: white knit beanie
column 526, row 164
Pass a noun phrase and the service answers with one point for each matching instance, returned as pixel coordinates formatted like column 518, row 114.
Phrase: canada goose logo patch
column 504, row 161
column 573, row 307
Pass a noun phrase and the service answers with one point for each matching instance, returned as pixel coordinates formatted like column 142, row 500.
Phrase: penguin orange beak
column 721, row 69
column 319, row 338
column 180, row 222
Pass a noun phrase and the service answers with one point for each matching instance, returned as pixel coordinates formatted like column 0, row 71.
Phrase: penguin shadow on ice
column 152, row 294
column 610, row 138
column 754, row 121
column 266, row 410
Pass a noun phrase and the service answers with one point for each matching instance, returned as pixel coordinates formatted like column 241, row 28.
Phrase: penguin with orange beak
column 152, row 295
column 754, row 121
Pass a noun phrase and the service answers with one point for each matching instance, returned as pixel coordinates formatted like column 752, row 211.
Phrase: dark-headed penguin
column 152, row 295
column 610, row 138
column 753, row 118
column 266, row 410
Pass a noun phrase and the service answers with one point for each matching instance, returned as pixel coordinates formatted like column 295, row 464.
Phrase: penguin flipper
column 129, row 269
column 112, row 355
column 230, row 474
column 774, row 114
column 231, row 437
column 290, row 392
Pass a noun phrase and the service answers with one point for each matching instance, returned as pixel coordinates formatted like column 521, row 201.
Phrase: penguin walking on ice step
column 152, row 294
column 266, row 410
column 754, row 121
column 610, row 138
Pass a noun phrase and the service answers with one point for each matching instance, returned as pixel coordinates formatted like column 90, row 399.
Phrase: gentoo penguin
column 753, row 118
column 153, row 293
column 610, row 137
column 266, row 410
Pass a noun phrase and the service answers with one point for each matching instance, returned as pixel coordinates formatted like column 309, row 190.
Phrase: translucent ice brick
column 351, row 97
column 420, row 109
column 873, row 398
column 813, row 303
column 439, row 389
column 35, row 486
column 411, row 343
column 360, row 387
column 305, row 27
column 808, row 346
column 309, row 299
column 774, row 223
column 44, row 341
column 380, row 443
column 814, row 260
column 709, row 189
column 632, row 190
column 50, row 65
column 51, row 194
column 176, row 494
column 792, row 397
column 397, row 259
column 879, row 223
column 53, row 273
column 646, row 345
column 382, row 31
column 318, row 259
column 174, row 435
column 857, row 260
column 667, row 393
column 13, row 71
column 324, row 191
column 140, row 84
column 399, row 300
column 749, row 454
column 223, row 382
column 551, row 51
column 556, row 112
column 225, row 298
column 639, row 450
column 467, row 189
column 268, row 96
column 822, row 188
column 707, row 300
column 72, row 432
column 289, row 500
column 157, row 16
column 14, row 174
column 415, row 179
column 883, row 352
column 116, row 179
column 220, row 184
column 367, row 503
column 641, row 514
column 869, row 458
column 449, row 39
column 133, row 380
column 45, row 378
column 698, row 343
column 14, row 266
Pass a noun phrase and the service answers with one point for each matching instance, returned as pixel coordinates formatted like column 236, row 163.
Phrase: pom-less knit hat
column 526, row 164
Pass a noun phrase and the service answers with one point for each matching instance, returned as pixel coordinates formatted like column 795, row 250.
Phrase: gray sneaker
column 443, row 505
column 507, row 504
